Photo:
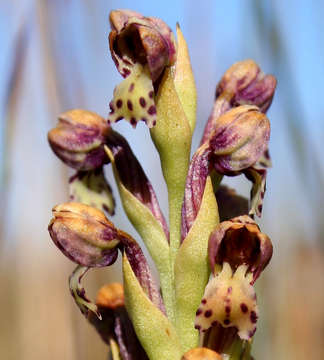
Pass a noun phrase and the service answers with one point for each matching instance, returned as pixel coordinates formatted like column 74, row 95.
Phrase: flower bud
column 78, row 139
column 84, row 234
column 240, row 138
column 201, row 354
column 245, row 83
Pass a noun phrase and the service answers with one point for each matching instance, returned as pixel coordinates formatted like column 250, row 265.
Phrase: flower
column 238, row 252
column 244, row 83
column 137, row 39
column 141, row 48
column 84, row 234
column 239, row 139
column 78, row 139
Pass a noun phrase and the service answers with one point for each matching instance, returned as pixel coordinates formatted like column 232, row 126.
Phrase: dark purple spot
column 251, row 333
column 198, row 312
column 131, row 87
column 119, row 103
column 229, row 290
column 227, row 309
column 198, row 327
column 208, row 313
column 214, row 323
column 129, row 105
column 105, row 207
column 262, row 194
column 119, row 118
column 227, row 322
column 133, row 121
column 253, row 317
column 260, row 208
column 266, row 154
column 144, row 119
column 154, row 122
column 204, row 301
column 152, row 110
column 244, row 308
column 142, row 101
column 150, row 94
column 127, row 62
column 126, row 72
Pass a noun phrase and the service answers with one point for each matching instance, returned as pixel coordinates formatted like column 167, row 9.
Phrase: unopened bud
column 240, row 138
column 78, row 139
column 245, row 83
column 84, row 234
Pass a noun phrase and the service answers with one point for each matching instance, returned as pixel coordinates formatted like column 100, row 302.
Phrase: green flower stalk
column 211, row 251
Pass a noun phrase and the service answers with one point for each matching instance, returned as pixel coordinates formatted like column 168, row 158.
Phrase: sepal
column 239, row 241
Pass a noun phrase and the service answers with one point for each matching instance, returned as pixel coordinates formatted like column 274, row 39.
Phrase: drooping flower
column 141, row 48
column 78, row 139
column 84, row 234
column 87, row 237
column 238, row 252
column 239, row 139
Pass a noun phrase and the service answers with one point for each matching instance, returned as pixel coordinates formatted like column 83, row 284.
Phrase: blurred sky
column 54, row 56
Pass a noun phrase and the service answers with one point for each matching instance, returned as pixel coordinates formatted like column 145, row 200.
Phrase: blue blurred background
column 54, row 56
